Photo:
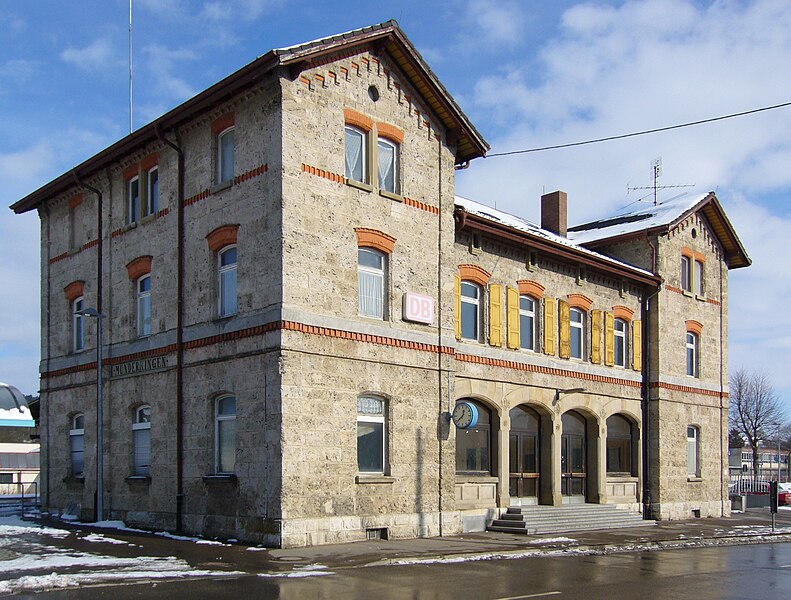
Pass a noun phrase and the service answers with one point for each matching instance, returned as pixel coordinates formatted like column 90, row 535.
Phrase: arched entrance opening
column 573, row 458
column 524, row 456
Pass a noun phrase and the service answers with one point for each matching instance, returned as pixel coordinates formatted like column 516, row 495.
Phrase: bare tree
column 755, row 409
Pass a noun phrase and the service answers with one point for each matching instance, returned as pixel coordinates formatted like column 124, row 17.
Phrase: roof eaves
column 580, row 254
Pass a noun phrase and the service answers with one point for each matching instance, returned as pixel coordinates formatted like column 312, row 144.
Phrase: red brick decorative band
column 322, row 173
column 421, row 205
column 686, row 389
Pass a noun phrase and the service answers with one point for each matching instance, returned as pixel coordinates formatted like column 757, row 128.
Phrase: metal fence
column 17, row 497
column 749, row 484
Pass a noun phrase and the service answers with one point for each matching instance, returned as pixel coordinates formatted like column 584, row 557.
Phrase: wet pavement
column 45, row 554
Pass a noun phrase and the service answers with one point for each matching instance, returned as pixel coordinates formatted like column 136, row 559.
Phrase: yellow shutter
column 550, row 326
column 565, row 329
column 496, row 314
column 512, row 304
column 637, row 345
column 457, row 305
column 596, row 337
column 609, row 339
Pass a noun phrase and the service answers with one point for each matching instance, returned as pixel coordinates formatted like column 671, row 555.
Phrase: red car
column 784, row 494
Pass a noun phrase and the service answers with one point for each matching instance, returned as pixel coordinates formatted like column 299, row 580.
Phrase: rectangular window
column 693, row 463
column 144, row 306
column 133, row 199
column 686, row 274
column 370, row 435
column 355, row 154
column 370, row 283
column 698, row 278
column 620, row 342
column 77, row 445
column 527, row 323
column 692, row 354
column 577, row 332
column 470, row 311
column 227, row 282
column 225, row 155
column 152, row 192
column 78, row 325
column 387, row 159
column 225, row 434
column 141, row 441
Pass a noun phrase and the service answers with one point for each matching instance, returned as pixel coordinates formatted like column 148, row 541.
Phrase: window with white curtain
column 692, row 354
column 698, row 278
column 470, row 311
column 133, row 199
column 577, row 332
column 144, row 306
column 141, row 442
column 370, row 283
column 387, row 159
column 693, row 458
column 225, row 152
column 686, row 274
column 225, row 435
column 152, row 192
column 355, row 154
column 371, row 435
column 226, row 262
column 77, row 445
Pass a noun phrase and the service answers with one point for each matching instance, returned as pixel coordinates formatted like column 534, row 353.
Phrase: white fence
column 748, row 484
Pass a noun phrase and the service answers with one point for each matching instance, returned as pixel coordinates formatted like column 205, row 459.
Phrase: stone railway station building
column 308, row 338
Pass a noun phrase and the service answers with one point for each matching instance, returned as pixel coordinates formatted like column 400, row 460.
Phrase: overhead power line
column 646, row 132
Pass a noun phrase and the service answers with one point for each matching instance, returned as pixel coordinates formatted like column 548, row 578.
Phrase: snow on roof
column 664, row 213
column 520, row 224
column 13, row 408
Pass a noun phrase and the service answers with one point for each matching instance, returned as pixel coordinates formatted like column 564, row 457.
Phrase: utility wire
column 646, row 132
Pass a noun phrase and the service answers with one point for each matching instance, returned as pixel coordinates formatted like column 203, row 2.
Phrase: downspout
column 99, row 288
column 723, row 448
column 646, row 391
column 439, row 333
column 49, row 353
column 179, row 330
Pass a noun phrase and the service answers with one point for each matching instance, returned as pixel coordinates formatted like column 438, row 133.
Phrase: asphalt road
column 761, row 571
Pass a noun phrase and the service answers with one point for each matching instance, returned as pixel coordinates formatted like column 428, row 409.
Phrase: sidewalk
column 751, row 527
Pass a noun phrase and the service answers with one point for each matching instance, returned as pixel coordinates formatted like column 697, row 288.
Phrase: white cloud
column 100, row 55
column 495, row 22
column 246, row 10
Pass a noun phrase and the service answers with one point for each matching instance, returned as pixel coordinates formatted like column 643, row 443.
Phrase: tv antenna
column 656, row 172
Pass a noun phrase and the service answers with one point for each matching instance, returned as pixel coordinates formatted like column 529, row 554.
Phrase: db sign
column 418, row 308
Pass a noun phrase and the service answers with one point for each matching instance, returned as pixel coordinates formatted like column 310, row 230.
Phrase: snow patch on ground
column 306, row 571
column 554, row 540
column 98, row 537
column 13, row 525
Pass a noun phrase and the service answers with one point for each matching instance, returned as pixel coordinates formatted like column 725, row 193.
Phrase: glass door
column 572, row 458
column 523, row 459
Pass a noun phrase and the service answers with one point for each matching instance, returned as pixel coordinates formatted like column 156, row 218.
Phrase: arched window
column 225, row 435
column 470, row 311
column 77, row 445
column 355, row 154
column 371, row 435
column 225, row 152
column 144, row 306
column 692, row 354
column 527, row 323
column 371, row 266
column 619, row 445
column 621, row 350
column 387, row 157
column 577, row 332
column 141, row 442
column 473, row 446
column 226, row 263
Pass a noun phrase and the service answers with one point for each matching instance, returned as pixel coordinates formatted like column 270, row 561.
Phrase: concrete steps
column 532, row 520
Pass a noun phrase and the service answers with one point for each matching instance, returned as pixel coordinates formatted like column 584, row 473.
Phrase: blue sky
column 527, row 73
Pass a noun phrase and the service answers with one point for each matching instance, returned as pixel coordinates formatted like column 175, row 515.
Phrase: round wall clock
column 465, row 415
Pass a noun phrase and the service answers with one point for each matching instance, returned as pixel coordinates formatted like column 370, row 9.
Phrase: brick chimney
column 554, row 212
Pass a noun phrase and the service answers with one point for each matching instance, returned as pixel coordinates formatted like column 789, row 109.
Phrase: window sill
column 475, row 478
column 359, row 185
column 219, row 187
column 130, row 226
column 224, row 317
column 139, row 479
column 148, row 218
column 391, row 195
column 700, row 298
column 223, row 478
column 687, row 293
column 694, row 479
column 364, row 479
column 78, row 479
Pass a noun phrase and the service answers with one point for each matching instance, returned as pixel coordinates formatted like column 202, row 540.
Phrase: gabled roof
column 382, row 38
column 661, row 218
column 502, row 224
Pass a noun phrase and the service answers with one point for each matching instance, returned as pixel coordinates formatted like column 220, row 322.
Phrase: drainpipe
column 179, row 331
column 645, row 310
column 439, row 331
column 99, row 257
column 42, row 383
